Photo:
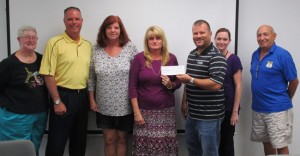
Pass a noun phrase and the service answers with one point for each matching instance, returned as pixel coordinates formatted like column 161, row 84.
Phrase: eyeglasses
column 34, row 38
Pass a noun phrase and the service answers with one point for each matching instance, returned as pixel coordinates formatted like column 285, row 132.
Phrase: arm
column 216, row 71
column 293, row 87
column 184, row 104
column 59, row 109
column 206, row 83
column 237, row 97
column 138, row 118
column 216, row 74
column 290, row 72
column 5, row 71
column 93, row 104
column 92, row 84
column 133, row 91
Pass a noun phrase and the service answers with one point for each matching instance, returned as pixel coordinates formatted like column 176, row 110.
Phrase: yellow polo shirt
column 67, row 61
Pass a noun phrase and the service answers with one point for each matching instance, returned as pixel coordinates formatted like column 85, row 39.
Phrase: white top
column 109, row 79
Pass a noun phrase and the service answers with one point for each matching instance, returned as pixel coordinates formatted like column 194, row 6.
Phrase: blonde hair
column 158, row 32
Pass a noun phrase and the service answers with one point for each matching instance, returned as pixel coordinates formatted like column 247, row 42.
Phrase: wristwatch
column 192, row 80
column 57, row 101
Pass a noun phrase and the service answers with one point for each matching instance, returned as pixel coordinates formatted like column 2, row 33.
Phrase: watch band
column 192, row 80
column 57, row 101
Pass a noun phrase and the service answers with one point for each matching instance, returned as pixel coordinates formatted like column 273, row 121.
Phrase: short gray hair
column 25, row 28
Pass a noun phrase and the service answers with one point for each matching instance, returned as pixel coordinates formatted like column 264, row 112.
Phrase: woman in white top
column 108, row 84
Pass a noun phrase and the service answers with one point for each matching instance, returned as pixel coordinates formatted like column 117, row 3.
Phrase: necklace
column 226, row 53
column 154, row 71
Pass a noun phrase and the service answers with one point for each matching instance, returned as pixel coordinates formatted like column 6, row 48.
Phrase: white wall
column 3, row 40
column 284, row 17
column 174, row 16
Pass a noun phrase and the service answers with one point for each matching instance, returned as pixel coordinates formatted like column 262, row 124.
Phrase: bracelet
column 170, row 86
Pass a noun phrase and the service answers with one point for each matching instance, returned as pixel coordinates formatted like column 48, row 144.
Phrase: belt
column 71, row 90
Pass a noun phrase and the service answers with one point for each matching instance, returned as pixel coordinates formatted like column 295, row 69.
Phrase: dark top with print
column 22, row 88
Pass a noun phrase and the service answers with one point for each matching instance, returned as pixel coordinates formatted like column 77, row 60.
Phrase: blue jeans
column 202, row 137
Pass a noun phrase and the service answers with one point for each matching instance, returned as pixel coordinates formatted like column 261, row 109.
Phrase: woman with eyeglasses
column 23, row 93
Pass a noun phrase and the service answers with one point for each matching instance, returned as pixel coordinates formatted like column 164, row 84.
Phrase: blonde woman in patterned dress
column 108, row 84
column 152, row 98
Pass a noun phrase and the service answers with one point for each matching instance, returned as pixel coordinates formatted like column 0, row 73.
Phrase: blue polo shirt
column 270, row 78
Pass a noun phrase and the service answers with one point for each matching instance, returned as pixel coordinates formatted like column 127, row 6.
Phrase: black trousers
column 226, row 147
column 72, row 125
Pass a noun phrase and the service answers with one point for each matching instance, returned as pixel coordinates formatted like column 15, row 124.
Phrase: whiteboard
column 174, row 16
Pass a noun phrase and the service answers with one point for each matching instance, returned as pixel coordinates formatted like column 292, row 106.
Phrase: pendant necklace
column 154, row 71
column 226, row 53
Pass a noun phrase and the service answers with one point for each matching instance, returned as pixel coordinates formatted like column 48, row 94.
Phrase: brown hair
column 200, row 22
column 224, row 30
column 102, row 38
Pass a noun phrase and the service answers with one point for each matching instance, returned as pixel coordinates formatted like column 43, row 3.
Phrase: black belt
column 71, row 90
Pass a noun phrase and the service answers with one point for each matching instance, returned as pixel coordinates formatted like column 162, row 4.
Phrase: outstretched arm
column 206, row 83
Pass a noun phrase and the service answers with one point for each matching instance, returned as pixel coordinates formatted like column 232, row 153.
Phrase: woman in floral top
column 108, row 84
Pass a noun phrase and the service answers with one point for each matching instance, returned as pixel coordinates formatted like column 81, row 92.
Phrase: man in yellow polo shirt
column 65, row 66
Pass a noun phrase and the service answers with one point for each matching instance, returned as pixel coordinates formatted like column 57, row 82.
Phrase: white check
column 172, row 70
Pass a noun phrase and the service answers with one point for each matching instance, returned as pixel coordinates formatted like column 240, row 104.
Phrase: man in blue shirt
column 274, row 83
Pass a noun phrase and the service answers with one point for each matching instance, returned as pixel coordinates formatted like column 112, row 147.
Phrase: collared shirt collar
column 69, row 40
column 208, row 49
column 272, row 49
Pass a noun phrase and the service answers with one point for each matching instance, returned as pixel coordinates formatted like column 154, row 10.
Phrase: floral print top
column 109, row 77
